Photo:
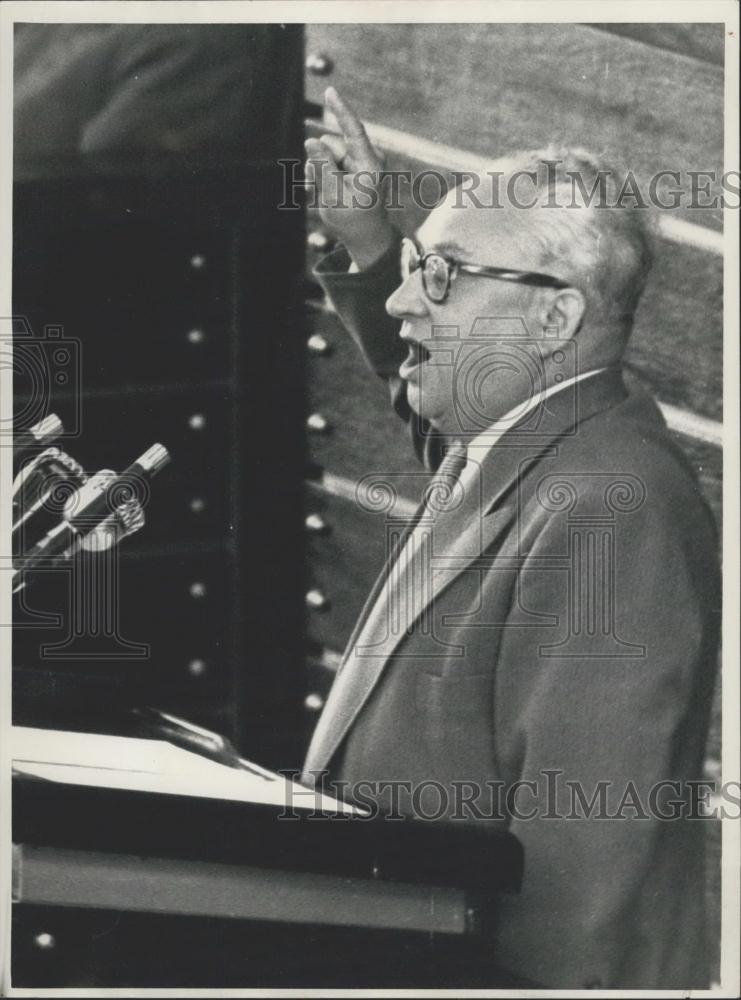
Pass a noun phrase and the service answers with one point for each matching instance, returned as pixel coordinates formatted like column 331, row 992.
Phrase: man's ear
column 563, row 311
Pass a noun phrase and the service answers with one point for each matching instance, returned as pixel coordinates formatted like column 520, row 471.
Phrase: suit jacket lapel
column 457, row 538
column 380, row 583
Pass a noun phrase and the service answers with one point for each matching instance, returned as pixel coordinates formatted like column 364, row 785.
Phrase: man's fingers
column 330, row 159
column 358, row 143
column 310, row 174
column 320, row 150
column 320, row 162
column 314, row 149
column 338, row 148
column 322, row 172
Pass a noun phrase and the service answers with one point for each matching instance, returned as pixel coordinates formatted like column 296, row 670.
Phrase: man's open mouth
column 418, row 354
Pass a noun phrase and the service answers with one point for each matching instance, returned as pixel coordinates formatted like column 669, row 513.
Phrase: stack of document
column 148, row 765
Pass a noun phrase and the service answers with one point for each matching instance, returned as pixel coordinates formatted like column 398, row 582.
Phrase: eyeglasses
column 438, row 271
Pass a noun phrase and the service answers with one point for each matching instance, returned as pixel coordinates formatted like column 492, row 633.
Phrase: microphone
column 41, row 433
column 93, row 503
column 124, row 521
column 44, row 482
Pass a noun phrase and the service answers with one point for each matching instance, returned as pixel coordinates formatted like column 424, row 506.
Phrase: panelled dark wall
column 180, row 293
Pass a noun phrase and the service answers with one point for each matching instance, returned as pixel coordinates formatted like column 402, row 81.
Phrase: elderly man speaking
column 546, row 627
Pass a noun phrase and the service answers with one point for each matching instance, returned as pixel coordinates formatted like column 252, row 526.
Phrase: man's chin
column 416, row 400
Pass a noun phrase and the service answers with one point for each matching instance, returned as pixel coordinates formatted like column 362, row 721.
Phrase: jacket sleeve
column 359, row 299
column 613, row 894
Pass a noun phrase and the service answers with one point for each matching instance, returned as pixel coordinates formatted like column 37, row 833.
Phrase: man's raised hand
column 345, row 174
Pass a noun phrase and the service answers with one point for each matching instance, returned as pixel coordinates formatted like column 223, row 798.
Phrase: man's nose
column 408, row 299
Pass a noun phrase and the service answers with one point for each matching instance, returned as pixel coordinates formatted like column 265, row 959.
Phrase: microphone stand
column 97, row 500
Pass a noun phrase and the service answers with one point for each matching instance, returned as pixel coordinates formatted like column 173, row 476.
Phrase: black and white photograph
column 370, row 477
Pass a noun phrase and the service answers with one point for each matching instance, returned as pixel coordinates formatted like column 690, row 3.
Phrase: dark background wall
column 150, row 251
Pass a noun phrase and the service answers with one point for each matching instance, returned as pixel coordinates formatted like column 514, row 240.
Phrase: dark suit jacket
column 571, row 627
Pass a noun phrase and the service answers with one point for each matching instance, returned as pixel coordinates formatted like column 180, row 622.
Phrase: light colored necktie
column 408, row 580
column 395, row 609
column 440, row 491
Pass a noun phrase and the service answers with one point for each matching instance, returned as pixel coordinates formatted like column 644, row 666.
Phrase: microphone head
column 129, row 516
column 154, row 459
column 47, row 429
column 125, row 520
column 47, row 478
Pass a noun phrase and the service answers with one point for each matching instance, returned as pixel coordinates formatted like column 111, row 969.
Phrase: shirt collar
column 481, row 444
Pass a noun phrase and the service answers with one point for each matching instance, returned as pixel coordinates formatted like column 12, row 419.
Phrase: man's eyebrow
column 447, row 247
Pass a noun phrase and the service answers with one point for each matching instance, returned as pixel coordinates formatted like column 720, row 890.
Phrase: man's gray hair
column 586, row 231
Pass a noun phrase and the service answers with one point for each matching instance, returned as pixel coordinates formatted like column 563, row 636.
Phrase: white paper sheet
column 102, row 761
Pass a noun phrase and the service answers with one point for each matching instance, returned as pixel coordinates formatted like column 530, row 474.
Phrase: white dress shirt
column 480, row 446
column 408, row 578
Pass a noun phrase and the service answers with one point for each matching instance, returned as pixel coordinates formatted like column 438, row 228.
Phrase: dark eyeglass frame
column 453, row 267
